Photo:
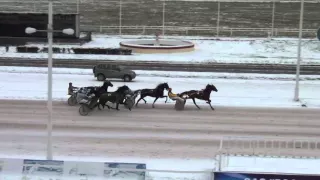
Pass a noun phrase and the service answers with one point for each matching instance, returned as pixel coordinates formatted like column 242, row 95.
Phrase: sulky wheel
column 129, row 103
column 179, row 106
column 72, row 100
column 84, row 110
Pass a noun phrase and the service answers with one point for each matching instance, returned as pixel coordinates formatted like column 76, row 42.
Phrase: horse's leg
column 194, row 101
column 144, row 100
column 164, row 97
column 154, row 101
column 107, row 106
column 117, row 106
column 209, row 102
column 141, row 98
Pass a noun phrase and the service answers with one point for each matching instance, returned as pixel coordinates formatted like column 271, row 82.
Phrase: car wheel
column 126, row 78
column 101, row 77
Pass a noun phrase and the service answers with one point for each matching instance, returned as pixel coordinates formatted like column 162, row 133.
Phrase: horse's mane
column 106, row 84
column 122, row 88
column 159, row 85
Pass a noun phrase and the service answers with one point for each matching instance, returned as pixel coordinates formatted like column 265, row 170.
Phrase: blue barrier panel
column 256, row 176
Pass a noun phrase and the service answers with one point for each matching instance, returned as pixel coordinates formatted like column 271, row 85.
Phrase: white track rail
column 143, row 29
column 278, row 147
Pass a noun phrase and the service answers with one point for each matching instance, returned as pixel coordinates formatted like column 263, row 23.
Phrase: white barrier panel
column 29, row 169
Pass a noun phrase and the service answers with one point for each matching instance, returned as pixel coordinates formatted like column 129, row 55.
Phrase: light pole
column 50, row 32
column 296, row 89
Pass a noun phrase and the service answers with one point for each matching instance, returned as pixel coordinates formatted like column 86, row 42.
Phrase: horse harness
column 201, row 93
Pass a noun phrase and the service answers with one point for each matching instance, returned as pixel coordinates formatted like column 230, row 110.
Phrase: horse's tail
column 137, row 92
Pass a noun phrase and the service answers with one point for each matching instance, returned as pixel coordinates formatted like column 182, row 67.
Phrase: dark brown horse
column 156, row 93
column 202, row 94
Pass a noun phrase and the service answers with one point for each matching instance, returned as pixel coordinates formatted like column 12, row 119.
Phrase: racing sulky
column 202, row 95
column 77, row 94
column 117, row 97
column 156, row 93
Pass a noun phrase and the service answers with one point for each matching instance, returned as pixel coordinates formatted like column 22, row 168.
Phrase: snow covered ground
column 267, row 90
column 27, row 84
column 269, row 164
column 224, row 50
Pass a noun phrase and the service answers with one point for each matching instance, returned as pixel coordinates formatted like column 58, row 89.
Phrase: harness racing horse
column 98, row 91
column 103, row 89
column 156, row 93
column 77, row 94
column 114, row 97
column 202, row 95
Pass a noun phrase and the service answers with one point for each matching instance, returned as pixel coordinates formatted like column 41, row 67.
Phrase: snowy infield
column 232, row 92
column 223, row 50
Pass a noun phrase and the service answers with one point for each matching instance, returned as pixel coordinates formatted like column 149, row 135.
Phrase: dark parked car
column 103, row 71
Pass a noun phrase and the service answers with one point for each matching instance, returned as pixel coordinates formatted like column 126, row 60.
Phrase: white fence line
column 270, row 146
column 78, row 4
column 268, row 31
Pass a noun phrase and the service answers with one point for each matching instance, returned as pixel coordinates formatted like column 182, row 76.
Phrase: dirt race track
column 181, row 13
column 145, row 132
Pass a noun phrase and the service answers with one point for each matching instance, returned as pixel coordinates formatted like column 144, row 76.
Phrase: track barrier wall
column 53, row 169
column 32, row 169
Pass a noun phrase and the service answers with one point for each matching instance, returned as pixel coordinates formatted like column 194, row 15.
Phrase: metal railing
column 213, row 30
column 270, row 146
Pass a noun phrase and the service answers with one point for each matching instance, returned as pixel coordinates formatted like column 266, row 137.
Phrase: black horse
column 98, row 91
column 202, row 95
column 156, row 93
column 103, row 89
column 117, row 97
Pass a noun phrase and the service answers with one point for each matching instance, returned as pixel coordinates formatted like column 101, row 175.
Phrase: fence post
column 163, row 16
column 220, row 162
column 120, row 17
column 34, row 5
column 273, row 11
column 218, row 19
column 78, row 6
